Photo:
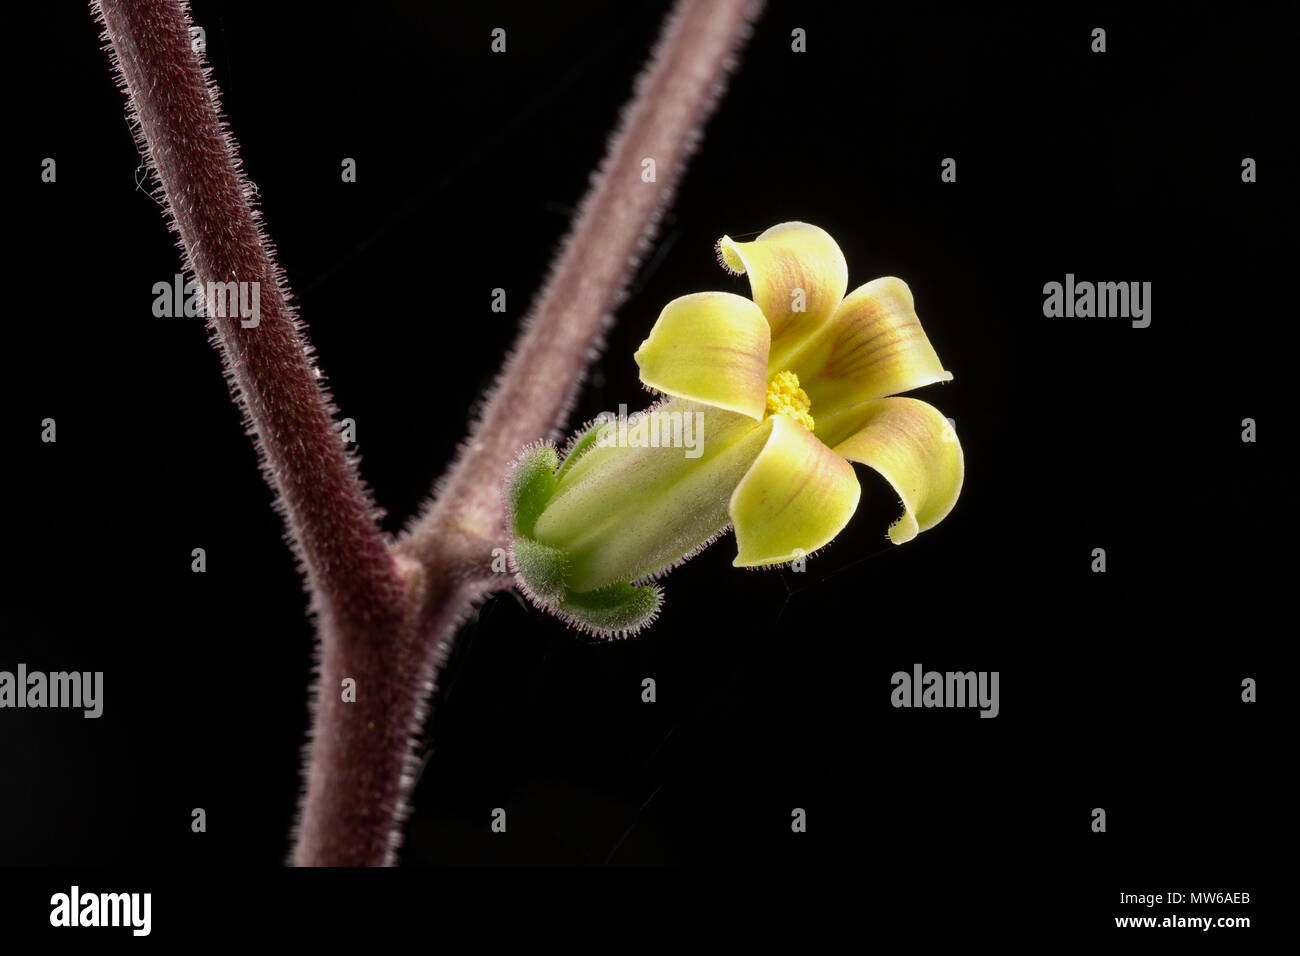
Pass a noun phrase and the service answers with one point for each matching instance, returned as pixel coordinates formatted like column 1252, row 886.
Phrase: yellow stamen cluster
column 785, row 397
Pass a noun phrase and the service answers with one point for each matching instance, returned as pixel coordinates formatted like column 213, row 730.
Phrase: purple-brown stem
column 350, row 571
column 386, row 614
column 617, row 221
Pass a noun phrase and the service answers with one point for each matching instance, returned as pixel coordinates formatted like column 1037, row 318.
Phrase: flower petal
column 796, row 497
column 797, row 275
column 710, row 347
column 872, row 347
column 916, row 450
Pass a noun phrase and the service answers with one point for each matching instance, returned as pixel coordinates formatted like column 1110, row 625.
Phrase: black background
column 1118, row 690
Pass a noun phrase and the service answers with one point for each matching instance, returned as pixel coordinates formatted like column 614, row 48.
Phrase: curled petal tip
column 797, row 276
column 710, row 347
column 916, row 450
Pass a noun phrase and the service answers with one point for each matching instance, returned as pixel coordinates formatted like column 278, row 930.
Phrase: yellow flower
column 788, row 388
column 846, row 357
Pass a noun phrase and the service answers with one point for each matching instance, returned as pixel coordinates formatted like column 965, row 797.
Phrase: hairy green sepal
column 542, row 571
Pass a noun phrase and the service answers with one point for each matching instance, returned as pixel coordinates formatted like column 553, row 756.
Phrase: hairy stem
column 363, row 602
column 352, row 576
column 614, row 228
column 386, row 615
